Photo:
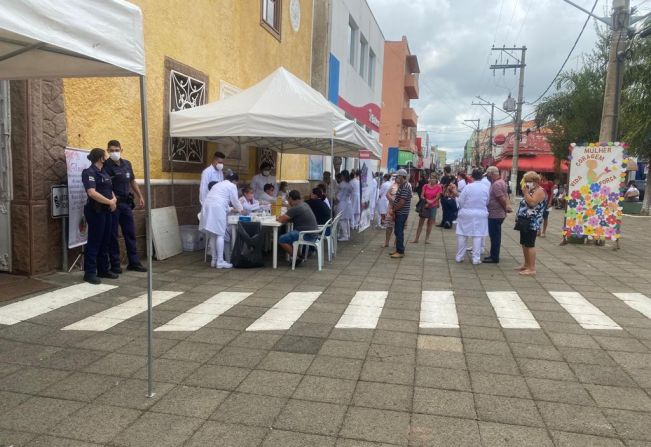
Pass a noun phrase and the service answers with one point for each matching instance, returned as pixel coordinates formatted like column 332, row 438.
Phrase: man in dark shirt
column 320, row 209
column 301, row 215
column 447, row 177
column 401, row 205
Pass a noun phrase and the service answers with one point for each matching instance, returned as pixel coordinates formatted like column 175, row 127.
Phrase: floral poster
column 596, row 182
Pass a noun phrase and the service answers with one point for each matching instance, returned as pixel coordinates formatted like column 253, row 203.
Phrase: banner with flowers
column 596, row 182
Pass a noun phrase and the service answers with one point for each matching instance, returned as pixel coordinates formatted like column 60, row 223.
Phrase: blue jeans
column 495, row 233
column 399, row 231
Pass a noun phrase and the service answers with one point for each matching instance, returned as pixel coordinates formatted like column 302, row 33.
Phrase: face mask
column 219, row 166
column 529, row 185
column 115, row 156
column 265, row 173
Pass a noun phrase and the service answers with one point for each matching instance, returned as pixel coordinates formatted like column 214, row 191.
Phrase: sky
column 453, row 39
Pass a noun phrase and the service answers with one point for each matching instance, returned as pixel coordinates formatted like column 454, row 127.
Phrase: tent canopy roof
column 538, row 163
column 280, row 112
column 71, row 38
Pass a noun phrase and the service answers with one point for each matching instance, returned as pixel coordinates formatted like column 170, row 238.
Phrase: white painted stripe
column 511, row 311
column 364, row 310
column 202, row 314
column 637, row 301
column 285, row 312
column 583, row 311
column 122, row 312
column 437, row 310
column 40, row 304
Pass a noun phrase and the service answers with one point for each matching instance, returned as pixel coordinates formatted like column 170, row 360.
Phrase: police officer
column 97, row 211
column 124, row 182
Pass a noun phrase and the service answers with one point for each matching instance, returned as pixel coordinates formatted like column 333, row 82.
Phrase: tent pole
column 145, row 156
column 332, row 178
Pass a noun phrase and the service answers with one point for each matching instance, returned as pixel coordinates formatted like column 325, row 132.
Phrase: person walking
column 431, row 193
column 472, row 220
column 97, row 212
column 449, row 205
column 529, row 218
column 345, row 206
column 401, row 206
column 498, row 207
column 124, row 181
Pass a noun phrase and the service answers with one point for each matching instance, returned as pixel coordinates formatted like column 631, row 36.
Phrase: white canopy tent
column 280, row 112
column 80, row 38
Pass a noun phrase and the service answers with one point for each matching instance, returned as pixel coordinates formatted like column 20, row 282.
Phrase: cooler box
column 191, row 238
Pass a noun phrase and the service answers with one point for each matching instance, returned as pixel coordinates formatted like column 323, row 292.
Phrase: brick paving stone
column 546, row 369
column 587, row 356
column 167, row 370
column 190, row 401
column 492, row 363
column 96, row 423
column 337, row 367
column 444, row 402
column 270, row 383
column 503, row 435
column 158, row 429
column 602, row 375
column 383, row 396
column 437, row 343
column 9, row 400
column 249, row 409
column 281, row 438
column 559, row 391
column 564, row 439
column 32, row 380
column 311, row 417
column 620, row 397
column 450, row 379
column 325, row 389
column 38, row 414
column 575, row 418
column 370, row 424
column 343, row 348
column 631, row 360
column 132, row 393
column 391, row 354
column 217, row 377
column 117, row 365
column 81, row 386
column 630, row 424
column 442, row 359
column 438, row 431
column 508, row 410
column 299, row 344
column 286, row 362
column 238, row 357
column 192, row 351
column 374, row 371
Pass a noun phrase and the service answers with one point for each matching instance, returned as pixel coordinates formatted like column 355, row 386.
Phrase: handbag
column 420, row 205
column 522, row 223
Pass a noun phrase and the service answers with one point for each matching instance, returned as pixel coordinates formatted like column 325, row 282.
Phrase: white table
column 265, row 221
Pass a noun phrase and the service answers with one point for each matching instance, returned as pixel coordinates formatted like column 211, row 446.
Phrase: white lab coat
column 383, row 202
column 249, row 206
column 472, row 219
column 214, row 211
column 344, row 199
column 210, row 174
column 355, row 200
column 266, row 198
column 372, row 196
column 257, row 183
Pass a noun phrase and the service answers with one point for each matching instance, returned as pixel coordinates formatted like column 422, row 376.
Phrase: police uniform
column 121, row 176
column 98, row 217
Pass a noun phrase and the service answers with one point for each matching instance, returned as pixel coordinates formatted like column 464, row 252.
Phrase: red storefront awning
column 538, row 163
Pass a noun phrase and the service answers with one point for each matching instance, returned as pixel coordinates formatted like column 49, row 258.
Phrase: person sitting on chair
column 301, row 215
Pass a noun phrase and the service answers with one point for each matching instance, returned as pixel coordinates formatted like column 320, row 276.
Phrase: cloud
column 453, row 39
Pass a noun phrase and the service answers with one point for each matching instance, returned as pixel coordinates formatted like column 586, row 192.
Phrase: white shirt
column 461, row 184
column 266, row 198
column 254, row 205
column 210, row 174
column 258, row 181
column 214, row 211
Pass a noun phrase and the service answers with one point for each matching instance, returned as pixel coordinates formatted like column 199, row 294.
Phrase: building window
column 185, row 88
column 352, row 41
column 270, row 11
column 363, row 55
column 372, row 61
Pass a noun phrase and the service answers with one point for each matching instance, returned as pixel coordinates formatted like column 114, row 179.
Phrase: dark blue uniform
column 122, row 176
column 98, row 217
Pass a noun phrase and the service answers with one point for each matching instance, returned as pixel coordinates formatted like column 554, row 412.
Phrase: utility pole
column 475, row 129
column 491, row 122
column 517, row 64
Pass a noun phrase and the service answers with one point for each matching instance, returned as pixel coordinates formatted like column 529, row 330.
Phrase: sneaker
column 117, row 270
column 136, row 268
column 109, row 275
column 224, row 265
column 213, row 263
column 397, row 255
column 92, row 279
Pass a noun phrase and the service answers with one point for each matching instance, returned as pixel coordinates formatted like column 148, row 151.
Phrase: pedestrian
column 529, row 218
column 547, row 186
column 390, row 217
column 498, row 207
column 447, row 176
column 355, row 198
column 462, row 181
column 449, row 206
column 431, row 193
column 383, row 201
column 472, row 220
column 97, row 212
column 128, row 197
column 213, row 173
column 401, row 206
column 345, row 205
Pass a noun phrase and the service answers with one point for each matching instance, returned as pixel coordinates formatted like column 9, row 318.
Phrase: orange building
column 399, row 120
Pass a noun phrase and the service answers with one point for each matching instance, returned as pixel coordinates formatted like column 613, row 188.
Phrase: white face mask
column 529, row 185
column 265, row 173
column 219, row 166
column 115, row 156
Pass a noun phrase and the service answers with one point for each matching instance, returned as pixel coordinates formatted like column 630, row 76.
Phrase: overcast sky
column 453, row 39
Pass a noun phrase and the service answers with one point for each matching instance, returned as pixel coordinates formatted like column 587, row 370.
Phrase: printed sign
column 76, row 162
column 59, row 199
column 596, row 180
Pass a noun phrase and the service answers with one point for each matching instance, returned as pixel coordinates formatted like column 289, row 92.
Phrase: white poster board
column 76, row 161
column 166, row 233
column 594, row 198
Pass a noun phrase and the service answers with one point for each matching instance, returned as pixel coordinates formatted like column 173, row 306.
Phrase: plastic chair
column 317, row 243
column 332, row 237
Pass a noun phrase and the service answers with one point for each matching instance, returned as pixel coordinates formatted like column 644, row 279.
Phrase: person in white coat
column 345, row 206
column 248, row 202
column 472, row 220
column 355, row 198
column 382, row 201
column 213, row 173
column 372, row 198
column 259, row 181
column 214, row 216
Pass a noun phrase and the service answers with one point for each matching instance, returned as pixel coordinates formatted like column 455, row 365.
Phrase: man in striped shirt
column 401, row 206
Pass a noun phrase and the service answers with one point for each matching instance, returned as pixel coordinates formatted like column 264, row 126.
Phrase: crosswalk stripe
column 636, row 301
column 122, row 312
column 584, row 312
column 511, row 311
column 202, row 314
column 40, row 304
column 437, row 310
column 285, row 312
column 364, row 310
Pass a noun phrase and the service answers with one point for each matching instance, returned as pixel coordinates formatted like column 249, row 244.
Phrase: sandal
column 528, row 273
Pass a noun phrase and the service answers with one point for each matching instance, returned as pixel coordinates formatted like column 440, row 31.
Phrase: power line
column 560, row 70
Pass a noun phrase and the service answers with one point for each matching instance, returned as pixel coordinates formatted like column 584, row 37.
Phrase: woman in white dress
column 355, row 198
column 383, row 202
column 472, row 220
column 214, row 216
column 345, row 206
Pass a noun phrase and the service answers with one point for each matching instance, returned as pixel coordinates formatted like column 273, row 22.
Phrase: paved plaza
column 370, row 351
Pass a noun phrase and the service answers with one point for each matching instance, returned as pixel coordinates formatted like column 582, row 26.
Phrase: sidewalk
column 316, row 382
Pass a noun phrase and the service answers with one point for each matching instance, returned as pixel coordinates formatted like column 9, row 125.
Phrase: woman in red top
column 432, row 195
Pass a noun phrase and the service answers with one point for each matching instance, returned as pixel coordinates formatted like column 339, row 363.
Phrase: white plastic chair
column 332, row 237
column 317, row 243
